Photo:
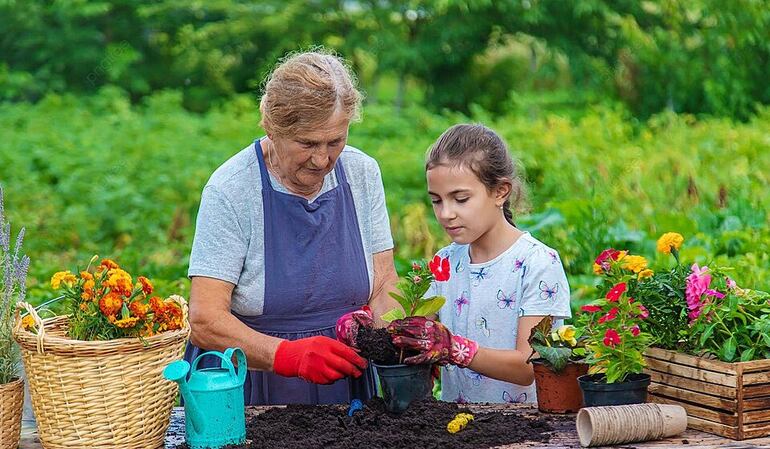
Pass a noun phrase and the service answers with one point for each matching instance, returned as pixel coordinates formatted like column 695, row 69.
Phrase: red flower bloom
column 611, row 338
column 609, row 253
column 416, row 266
column 590, row 308
column 440, row 268
column 644, row 312
column 615, row 292
column 611, row 315
column 635, row 330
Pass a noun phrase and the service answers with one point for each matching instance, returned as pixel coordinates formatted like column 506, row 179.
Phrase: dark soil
column 376, row 345
column 423, row 425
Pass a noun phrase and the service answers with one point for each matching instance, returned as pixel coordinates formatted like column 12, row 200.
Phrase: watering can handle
column 242, row 363
column 226, row 362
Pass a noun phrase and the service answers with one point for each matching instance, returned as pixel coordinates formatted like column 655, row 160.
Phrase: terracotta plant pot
column 558, row 392
column 11, row 401
column 597, row 393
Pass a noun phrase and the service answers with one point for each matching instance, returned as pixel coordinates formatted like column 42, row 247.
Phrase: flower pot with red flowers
column 558, row 365
column 615, row 343
column 402, row 383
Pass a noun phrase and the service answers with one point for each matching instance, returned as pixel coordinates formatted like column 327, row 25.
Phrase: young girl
column 502, row 280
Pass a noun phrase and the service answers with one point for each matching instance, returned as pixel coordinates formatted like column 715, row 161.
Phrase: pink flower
column 417, row 279
column 603, row 260
column 615, row 292
column 731, row 283
column 697, row 284
column 416, row 266
column 635, row 330
column 643, row 312
column 611, row 338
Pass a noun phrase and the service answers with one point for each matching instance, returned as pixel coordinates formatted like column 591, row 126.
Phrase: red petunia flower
column 611, row 338
column 644, row 312
column 615, row 292
column 635, row 330
column 440, row 268
column 611, row 315
column 590, row 308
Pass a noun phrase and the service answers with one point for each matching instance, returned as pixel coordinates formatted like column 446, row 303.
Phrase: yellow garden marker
column 459, row 422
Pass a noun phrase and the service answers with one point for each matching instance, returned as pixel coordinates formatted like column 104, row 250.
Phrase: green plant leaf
column 727, row 351
column 429, row 306
column 394, row 314
column 401, row 300
column 556, row 357
column 747, row 355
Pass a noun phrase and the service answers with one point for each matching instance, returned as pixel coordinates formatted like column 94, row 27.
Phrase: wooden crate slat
column 691, row 372
column 757, row 416
column 756, row 391
column 689, row 360
column 756, row 430
column 756, row 378
column 727, row 405
column 755, row 365
column 699, row 412
column 703, row 425
column 692, row 385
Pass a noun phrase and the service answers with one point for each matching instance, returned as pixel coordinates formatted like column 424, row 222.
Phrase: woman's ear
column 502, row 192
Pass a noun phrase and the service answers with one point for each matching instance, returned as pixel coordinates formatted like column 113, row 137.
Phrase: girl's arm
column 509, row 365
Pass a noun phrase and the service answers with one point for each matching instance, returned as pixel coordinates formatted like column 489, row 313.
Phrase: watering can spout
column 177, row 372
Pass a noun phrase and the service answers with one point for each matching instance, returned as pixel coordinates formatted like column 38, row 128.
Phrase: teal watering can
column 213, row 399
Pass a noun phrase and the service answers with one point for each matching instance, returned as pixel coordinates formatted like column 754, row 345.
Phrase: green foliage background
column 631, row 118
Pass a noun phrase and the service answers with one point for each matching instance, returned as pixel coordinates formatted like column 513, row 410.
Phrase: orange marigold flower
column 109, row 264
column 157, row 305
column 147, row 287
column 85, row 275
column 28, row 322
column 120, row 282
column 147, row 330
column 126, row 323
column 139, row 309
column 110, row 304
column 83, row 306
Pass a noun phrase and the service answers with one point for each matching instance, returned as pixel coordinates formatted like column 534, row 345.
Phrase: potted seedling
column 401, row 383
column 558, row 364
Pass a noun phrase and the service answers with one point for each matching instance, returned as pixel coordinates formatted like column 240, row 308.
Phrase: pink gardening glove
column 434, row 341
column 348, row 325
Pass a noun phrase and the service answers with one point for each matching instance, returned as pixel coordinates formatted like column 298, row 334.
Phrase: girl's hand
column 348, row 325
column 434, row 341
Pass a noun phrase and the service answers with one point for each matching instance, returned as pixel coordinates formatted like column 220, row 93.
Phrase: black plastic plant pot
column 402, row 384
column 596, row 392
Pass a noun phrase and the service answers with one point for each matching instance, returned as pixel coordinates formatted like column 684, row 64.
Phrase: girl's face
column 462, row 204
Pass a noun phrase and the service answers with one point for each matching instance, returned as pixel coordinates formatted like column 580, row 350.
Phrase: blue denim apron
column 315, row 271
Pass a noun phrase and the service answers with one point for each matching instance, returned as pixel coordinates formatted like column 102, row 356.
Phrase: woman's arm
column 385, row 279
column 214, row 327
column 509, row 365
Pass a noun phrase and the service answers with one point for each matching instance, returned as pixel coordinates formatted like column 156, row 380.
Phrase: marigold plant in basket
column 95, row 374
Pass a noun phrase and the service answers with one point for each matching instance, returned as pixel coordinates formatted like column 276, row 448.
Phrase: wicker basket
column 90, row 394
column 11, row 401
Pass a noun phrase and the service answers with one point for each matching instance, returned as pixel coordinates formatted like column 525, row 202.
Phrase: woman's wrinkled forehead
column 336, row 127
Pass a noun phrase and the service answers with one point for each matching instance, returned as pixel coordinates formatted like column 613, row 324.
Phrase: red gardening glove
column 348, row 325
column 320, row 360
column 434, row 341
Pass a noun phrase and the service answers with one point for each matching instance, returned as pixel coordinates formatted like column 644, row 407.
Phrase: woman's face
column 304, row 159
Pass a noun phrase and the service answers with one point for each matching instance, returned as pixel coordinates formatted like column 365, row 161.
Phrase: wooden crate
column 727, row 399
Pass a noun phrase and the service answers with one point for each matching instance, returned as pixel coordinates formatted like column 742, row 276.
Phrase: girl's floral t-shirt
column 484, row 302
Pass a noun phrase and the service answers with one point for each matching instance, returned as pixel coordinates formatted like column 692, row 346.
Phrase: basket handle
column 185, row 309
column 39, row 328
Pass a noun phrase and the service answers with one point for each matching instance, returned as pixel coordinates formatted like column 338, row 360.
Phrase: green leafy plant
column 556, row 348
column 13, row 276
column 413, row 287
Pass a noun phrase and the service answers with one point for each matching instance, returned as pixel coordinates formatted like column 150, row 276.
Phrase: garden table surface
column 565, row 436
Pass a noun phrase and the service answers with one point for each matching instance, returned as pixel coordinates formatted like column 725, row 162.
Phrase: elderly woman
column 292, row 233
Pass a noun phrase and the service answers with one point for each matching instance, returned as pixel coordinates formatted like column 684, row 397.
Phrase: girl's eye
column 462, row 200
column 435, row 201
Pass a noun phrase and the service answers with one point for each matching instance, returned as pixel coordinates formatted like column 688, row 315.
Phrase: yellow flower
column 634, row 263
column 28, row 322
column 127, row 322
column 63, row 277
column 670, row 240
column 646, row 273
column 567, row 334
column 120, row 282
column 598, row 270
column 459, row 422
